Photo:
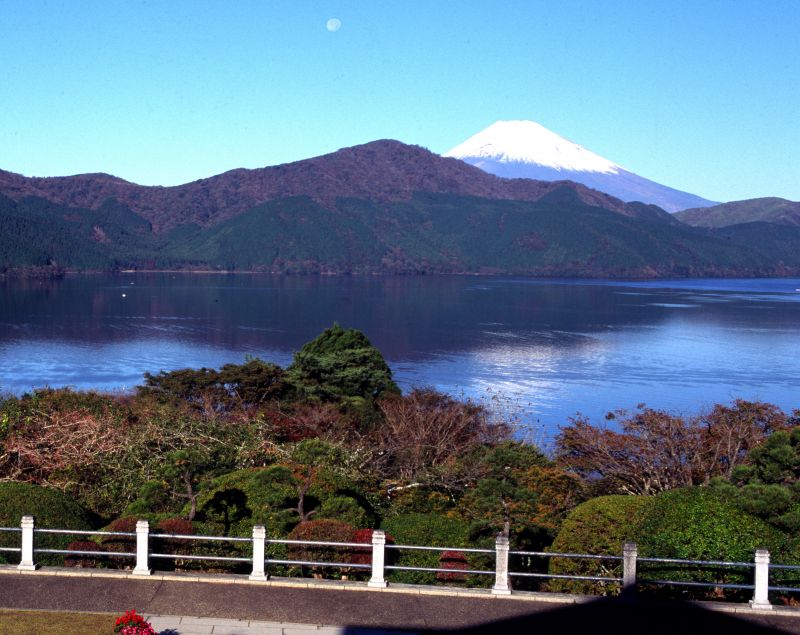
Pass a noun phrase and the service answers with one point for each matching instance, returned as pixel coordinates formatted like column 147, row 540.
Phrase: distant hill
column 526, row 149
column 381, row 172
column 383, row 207
column 769, row 210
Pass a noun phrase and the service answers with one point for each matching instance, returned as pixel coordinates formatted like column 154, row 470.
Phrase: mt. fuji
column 526, row 149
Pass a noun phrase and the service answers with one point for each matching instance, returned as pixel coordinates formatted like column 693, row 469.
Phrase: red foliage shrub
column 364, row 555
column 307, row 421
column 82, row 561
column 120, row 544
column 176, row 546
column 126, row 524
column 455, row 560
column 326, row 530
column 179, row 526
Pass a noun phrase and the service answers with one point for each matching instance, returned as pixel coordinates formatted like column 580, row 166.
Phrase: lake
column 546, row 349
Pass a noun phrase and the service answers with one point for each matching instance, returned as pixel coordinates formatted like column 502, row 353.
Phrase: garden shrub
column 269, row 496
column 235, row 502
column 696, row 524
column 177, row 546
column 325, row 530
column 345, row 509
column 456, row 561
column 599, row 526
column 364, row 555
column 50, row 508
column 83, row 561
column 120, row 544
column 427, row 530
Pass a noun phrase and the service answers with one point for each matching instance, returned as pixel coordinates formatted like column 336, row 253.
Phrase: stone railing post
column 761, row 583
column 259, row 551
column 629, row 555
column 26, row 556
column 501, row 582
column 142, row 553
column 378, row 559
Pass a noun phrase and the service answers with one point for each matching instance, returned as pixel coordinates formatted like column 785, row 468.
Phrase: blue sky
column 702, row 95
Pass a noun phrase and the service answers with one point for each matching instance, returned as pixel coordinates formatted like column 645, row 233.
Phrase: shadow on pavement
column 623, row 617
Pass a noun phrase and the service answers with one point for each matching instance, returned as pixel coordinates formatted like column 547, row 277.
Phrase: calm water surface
column 549, row 348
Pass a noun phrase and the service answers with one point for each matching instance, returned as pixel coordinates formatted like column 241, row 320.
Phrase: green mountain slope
column 769, row 210
column 560, row 234
column 556, row 235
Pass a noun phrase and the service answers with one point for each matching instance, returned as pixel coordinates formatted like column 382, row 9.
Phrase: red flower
column 133, row 624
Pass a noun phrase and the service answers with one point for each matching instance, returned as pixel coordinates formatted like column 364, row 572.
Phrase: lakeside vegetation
column 328, row 448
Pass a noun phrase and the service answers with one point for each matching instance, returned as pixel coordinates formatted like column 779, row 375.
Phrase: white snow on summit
column 529, row 142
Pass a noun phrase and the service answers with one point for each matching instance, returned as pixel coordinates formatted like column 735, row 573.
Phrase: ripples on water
column 549, row 348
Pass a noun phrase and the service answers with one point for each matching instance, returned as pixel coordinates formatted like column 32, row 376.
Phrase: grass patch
column 55, row 623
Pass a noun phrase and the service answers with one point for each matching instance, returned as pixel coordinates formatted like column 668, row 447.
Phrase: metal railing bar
column 191, row 537
column 70, row 552
column 320, row 543
column 557, row 576
column 11, row 549
column 84, row 532
column 173, row 556
column 789, row 567
column 716, row 563
column 438, row 570
column 344, row 565
column 720, row 585
column 553, row 554
column 785, row 589
column 461, row 549
column 10, row 528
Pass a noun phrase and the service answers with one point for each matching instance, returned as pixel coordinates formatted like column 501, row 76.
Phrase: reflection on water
column 552, row 347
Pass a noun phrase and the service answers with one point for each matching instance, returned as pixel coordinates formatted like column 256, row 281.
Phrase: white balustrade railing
column 378, row 568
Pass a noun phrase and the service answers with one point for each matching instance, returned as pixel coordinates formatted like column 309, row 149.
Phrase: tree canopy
column 340, row 364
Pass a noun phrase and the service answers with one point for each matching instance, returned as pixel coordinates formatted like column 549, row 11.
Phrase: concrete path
column 233, row 605
column 173, row 625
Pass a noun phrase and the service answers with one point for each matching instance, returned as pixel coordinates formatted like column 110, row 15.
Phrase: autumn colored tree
column 424, row 435
column 654, row 450
column 520, row 493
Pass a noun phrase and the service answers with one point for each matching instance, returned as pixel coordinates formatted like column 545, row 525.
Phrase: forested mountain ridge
column 384, row 207
column 380, row 172
column 768, row 210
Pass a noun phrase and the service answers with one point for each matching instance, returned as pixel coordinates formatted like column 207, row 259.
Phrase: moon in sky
column 334, row 24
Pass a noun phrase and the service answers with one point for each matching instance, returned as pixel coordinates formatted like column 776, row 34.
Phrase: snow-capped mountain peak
column 531, row 143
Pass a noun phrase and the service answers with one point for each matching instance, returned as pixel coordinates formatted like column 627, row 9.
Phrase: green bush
column 696, row 524
column 50, row 509
column 428, row 530
column 345, row 509
column 599, row 526
column 234, row 502
column 340, row 364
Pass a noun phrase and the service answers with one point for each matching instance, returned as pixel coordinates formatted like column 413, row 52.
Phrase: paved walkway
column 233, row 605
column 173, row 625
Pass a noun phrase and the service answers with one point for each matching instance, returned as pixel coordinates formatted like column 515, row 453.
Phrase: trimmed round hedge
column 687, row 524
column 50, row 508
column 599, row 526
column 696, row 524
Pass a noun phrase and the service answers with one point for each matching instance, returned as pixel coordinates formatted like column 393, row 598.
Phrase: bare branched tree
column 425, row 432
column 653, row 450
